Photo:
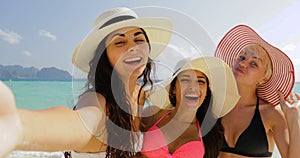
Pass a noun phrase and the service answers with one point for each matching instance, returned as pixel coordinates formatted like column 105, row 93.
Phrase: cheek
column 112, row 60
column 178, row 92
column 114, row 56
column 178, row 89
column 203, row 92
column 144, row 48
column 263, row 71
column 235, row 64
column 260, row 76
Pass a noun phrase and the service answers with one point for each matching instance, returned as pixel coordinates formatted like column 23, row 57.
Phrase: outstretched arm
column 10, row 126
column 55, row 129
column 292, row 115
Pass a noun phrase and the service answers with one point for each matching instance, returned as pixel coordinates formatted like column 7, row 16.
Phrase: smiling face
column 252, row 66
column 128, row 51
column 190, row 89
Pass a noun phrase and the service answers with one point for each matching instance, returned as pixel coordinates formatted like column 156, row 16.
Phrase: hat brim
column 221, row 83
column 158, row 30
column 283, row 77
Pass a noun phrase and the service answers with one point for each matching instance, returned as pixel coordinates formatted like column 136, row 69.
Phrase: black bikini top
column 253, row 141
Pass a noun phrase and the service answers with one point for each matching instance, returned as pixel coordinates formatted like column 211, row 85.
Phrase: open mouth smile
column 192, row 97
column 133, row 60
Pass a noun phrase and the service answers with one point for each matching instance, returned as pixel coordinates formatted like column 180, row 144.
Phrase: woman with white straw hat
column 117, row 53
column 200, row 92
column 265, row 77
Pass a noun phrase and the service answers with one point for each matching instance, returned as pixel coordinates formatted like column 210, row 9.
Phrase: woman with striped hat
column 265, row 77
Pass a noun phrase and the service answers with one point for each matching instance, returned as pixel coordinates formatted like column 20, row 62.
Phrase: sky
column 44, row 33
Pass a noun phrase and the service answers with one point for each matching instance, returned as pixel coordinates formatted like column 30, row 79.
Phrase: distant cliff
column 19, row 72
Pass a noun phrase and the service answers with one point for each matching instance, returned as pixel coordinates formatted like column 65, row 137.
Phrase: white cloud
column 296, row 62
column 183, row 51
column 47, row 34
column 288, row 48
column 27, row 53
column 10, row 36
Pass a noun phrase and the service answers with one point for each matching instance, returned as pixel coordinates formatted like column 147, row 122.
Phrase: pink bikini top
column 155, row 145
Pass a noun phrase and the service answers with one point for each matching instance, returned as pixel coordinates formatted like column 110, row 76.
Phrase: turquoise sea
column 46, row 94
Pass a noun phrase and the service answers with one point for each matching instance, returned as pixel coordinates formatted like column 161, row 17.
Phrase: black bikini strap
column 257, row 103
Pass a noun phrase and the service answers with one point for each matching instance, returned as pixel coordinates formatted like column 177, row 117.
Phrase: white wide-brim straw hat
column 283, row 77
column 158, row 30
column 224, row 92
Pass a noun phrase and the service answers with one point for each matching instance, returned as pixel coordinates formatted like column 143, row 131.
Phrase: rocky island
column 12, row 72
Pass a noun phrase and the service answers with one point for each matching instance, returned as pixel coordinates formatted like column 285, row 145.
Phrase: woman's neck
column 132, row 90
column 248, row 94
column 183, row 116
column 131, row 86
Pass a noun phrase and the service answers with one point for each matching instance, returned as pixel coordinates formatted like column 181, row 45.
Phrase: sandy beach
column 33, row 154
column 24, row 154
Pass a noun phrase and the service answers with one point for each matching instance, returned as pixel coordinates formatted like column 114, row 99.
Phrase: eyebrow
column 117, row 34
column 123, row 35
column 190, row 76
column 138, row 33
column 255, row 57
column 258, row 58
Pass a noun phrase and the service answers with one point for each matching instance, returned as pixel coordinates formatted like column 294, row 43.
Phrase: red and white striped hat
column 283, row 77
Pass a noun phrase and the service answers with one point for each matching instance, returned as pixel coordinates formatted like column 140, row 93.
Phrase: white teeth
column 192, row 96
column 136, row 59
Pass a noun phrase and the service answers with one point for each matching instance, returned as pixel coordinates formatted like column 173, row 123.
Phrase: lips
column 192, row 97
column 133, row 60
column 239, row 70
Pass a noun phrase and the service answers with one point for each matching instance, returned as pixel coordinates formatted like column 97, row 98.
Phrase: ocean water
column 45, row 94
column 36, row 95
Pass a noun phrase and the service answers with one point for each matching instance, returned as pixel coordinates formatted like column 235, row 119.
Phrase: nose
column 132, row 47
column 193, row 86
column 243, row 64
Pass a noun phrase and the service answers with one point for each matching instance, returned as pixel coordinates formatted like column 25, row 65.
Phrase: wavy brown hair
column 121, row 143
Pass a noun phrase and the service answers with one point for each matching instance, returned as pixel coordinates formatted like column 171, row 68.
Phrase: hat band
column 117, row 19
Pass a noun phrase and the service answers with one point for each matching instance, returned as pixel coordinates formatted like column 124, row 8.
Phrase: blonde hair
column 265, row 56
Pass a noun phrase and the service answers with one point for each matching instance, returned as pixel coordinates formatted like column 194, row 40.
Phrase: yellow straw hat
column 158, row 30
column 221, row 83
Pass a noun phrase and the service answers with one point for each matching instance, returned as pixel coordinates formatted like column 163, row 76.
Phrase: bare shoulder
column 271, row 114
column 91, row 99
column 151, row 114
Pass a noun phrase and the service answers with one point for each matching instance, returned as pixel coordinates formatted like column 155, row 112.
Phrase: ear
column 264, row 80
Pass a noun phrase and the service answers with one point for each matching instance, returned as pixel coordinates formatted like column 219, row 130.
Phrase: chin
column 192, row 105
column 136, row 73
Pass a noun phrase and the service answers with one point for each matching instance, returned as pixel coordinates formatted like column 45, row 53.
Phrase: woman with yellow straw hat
column 265, row 77
column 200, row 92
column 117, row 53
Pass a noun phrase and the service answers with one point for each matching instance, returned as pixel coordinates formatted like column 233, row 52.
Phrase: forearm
column 54, row 129
column 294, row 135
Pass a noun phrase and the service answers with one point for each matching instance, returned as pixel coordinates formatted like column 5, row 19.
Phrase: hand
column 292, row 101
column 10, row 125
column 290, row 107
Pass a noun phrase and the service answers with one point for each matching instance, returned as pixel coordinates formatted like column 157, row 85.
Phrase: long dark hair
column 214, row 138
column 118, row 105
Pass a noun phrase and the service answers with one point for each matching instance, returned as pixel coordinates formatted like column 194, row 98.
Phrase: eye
column 120, row 43
column 201, row 81
column 184, row 80
column 241, row 58
column 253, row 64
column 139, row 41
